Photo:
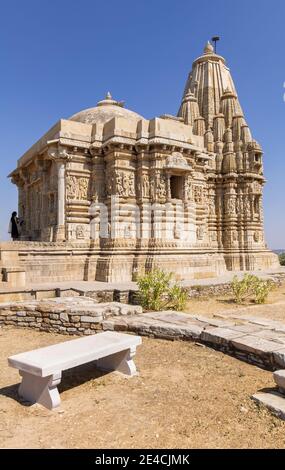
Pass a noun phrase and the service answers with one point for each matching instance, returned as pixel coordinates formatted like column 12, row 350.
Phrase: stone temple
column 108, row 194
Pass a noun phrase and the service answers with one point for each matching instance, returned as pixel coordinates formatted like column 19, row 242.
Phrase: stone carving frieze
column 161, row 186
column 78, row 231
column 188, row 189
column 125, row 184
column 59, row 152
column 230, row 205
column 199, row 195
column 158, row 186
column 76, row 188
column 143, row 185
column 200, row 232
column 211, row 205
column 177, row 161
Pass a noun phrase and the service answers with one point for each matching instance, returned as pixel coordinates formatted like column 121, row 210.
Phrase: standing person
column 14, row 226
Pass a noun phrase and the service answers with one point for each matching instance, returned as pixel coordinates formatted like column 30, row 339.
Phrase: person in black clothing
column 14, row 226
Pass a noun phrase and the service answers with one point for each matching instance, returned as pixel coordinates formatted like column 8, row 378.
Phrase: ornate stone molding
column 176, row 161
column 58, row 153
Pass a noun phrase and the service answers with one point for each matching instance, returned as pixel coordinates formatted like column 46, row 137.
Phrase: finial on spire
column 108, row 100
column 208, row 49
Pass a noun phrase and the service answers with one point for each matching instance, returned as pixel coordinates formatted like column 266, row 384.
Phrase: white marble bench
column 41, row 368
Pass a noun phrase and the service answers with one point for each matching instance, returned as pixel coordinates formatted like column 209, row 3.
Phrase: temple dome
column 104, row 111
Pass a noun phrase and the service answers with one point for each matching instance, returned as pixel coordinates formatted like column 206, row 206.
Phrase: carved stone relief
column 124, row 184
column 188, row 189
column 76, row 188
column 176, row 160
column 211, row 205
column 161, row 186
column 230, row 205
column 199, row 194
column 78, row 231
column 200, row 231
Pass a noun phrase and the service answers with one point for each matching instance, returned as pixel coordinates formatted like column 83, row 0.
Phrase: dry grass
column 212, row 306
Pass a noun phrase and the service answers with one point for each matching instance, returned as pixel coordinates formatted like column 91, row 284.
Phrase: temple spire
column 209, row 81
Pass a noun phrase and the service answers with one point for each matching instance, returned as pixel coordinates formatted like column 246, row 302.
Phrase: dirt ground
column 214, row 306
column 186, row 396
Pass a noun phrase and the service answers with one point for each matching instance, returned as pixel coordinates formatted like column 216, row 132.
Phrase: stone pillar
column 60, row 229
column 168, row 188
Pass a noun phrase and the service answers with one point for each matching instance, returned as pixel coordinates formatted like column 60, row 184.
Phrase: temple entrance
column 176, row 187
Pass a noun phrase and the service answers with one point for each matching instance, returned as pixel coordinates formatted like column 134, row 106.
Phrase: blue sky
column 60, row 56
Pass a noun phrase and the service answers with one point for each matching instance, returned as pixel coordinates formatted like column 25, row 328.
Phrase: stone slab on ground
column 248, row 342
column 273, row 400
column 279, row 357
column 147, row 325
column 279, row 377
column 220, row 335
column 255, row 345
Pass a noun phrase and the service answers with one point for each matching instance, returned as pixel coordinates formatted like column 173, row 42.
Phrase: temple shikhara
column 107, row 194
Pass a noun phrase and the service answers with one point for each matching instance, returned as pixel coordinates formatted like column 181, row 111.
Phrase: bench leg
column 41, row 390
column 121, row 362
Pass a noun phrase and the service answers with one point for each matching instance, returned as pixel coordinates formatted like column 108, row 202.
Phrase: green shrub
column 261, row 290
column 240, row 288
column 251, row 287
column 282, row 259
column 177, row 297
column 157, row 293
column 153, row 287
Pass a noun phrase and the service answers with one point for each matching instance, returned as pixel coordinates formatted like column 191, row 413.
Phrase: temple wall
column 114, row 200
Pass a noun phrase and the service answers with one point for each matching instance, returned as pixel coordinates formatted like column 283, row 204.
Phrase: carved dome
column 104, row 111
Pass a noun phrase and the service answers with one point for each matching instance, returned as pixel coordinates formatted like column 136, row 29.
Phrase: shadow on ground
column 70, row 379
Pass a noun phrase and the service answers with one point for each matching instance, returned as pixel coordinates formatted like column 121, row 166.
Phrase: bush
column 157, row 293
column 282, row 259
column 262, row 289
column 251, row 287
column 241, row 288
column 177, row 297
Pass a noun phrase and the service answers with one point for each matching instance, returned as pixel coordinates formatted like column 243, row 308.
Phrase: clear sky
column 61, row 56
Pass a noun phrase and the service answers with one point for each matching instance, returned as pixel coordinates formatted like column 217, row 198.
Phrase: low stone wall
column 219, row 289
column 257, row 341
column 74, row 316
column 209, row 291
